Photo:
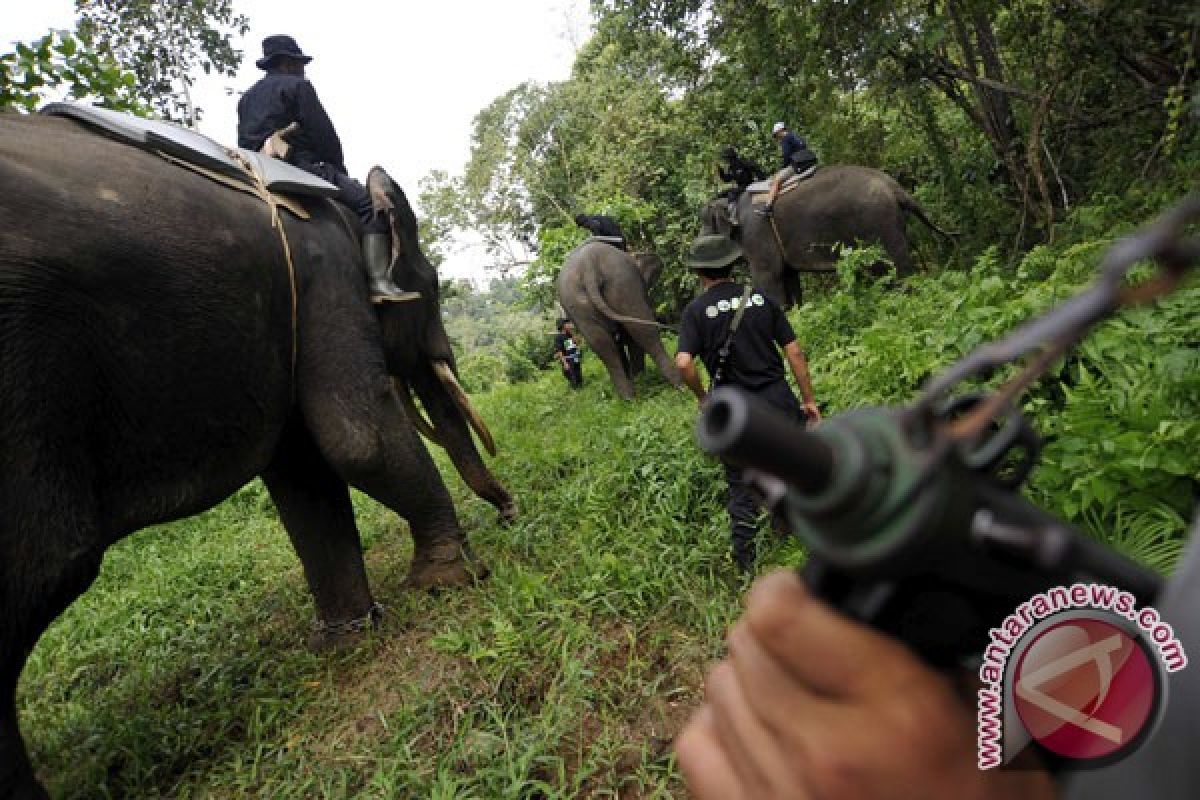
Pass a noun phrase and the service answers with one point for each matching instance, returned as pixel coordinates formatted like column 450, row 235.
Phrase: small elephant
column 604, row 291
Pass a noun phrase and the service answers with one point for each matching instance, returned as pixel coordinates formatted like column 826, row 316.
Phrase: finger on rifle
column 704, row 762
column 782, row 703
column 752, row 748
column 835, row 656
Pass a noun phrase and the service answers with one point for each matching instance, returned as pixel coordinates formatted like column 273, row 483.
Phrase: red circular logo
column 1086, row 688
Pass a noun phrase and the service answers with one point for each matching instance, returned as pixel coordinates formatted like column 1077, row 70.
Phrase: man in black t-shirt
column 567, row 351
column 753, row 363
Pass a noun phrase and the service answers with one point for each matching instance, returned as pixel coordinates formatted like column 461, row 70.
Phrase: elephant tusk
column 418, row 419
column 446, row 376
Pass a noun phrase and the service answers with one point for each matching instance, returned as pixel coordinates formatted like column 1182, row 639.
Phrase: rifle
column 912, row 515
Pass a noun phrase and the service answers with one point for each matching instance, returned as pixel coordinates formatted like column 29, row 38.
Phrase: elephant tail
column 909, row 204
column 591, row 285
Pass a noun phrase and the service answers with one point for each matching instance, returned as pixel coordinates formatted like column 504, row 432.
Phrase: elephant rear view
column 604, row 291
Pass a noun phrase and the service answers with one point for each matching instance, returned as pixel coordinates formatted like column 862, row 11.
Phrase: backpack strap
column 723, row 354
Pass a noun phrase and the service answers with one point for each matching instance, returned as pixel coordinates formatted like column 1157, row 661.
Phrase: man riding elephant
column 797, row 159
column 602, row 227
column 285, row 102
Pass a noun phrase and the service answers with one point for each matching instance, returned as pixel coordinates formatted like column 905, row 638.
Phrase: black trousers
column 742, row 501
column 350, row 193
column 574, row 374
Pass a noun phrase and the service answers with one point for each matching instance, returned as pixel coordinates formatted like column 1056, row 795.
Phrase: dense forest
column 1001, row 117
column 1042, row 131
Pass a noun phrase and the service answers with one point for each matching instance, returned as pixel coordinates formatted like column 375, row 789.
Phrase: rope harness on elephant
column 259, row 189
column 778, row 240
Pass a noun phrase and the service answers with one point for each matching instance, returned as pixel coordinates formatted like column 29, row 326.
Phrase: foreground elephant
column 156, row 354
column 603, row 290
column 838, row 205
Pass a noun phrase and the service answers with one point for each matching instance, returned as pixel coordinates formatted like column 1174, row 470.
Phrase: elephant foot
column 445, row 564
column 346, row 635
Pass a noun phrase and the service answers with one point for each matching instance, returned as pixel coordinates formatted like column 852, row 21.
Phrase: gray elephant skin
column 838, row 205
column 604, row 292
column 147, row 322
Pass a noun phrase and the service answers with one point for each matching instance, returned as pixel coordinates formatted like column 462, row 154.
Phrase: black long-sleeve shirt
column 742, row 172
column 275, row 102
column 599, row 225
column 795, row 152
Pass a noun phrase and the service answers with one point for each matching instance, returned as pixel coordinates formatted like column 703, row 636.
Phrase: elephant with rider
column 162, row 343
column 604, row 290
column 838, row 206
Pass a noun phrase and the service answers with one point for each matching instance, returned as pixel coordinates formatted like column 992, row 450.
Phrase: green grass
column 184, row 671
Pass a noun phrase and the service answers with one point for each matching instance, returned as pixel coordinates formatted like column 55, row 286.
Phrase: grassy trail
column 184, row 672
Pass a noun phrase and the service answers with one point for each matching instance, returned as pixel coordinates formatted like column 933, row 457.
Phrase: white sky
column 401, row 80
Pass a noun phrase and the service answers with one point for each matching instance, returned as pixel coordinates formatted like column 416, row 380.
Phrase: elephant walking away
column 158, row 350
column 838, row 205
column 604, row 292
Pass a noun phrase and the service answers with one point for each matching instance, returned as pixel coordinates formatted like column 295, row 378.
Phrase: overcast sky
column 401, row 80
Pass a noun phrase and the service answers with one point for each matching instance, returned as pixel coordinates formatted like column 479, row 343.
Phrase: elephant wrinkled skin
column 838, row 205
column 146, row 372
column 604, row 291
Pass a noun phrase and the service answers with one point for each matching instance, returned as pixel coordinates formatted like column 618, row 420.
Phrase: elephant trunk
column 424, row 426
column 446, row 375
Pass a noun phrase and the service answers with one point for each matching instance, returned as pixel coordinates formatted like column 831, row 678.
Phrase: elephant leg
column 455, row 436
column 767, row 276
column 314, row 504
column 895, row 244
column 361, row 430
column 648, row 341
column 636, row 357
column 606, row 350
column 622, row 340
column 793, row 287
column 51, row 554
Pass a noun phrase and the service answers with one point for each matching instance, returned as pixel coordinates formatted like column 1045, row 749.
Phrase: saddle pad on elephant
column 194, row 148
column 615, row 241
column 762, row 187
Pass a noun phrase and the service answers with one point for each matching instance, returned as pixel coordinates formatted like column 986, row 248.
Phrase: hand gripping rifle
column 912, row 516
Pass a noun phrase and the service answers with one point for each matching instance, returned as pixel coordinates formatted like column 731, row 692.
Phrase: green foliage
column 856, row 264
column 138, row 56
column 1000, row 119
column 164, row 43
column 62, row 62
column 1119, row 417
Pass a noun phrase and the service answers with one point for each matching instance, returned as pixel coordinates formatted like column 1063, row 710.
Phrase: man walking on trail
column 569, row 356
column 283, row 98
column 797, row 159
column 738, row 333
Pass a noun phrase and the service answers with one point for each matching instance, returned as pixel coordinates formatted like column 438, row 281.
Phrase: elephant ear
column 408, row 262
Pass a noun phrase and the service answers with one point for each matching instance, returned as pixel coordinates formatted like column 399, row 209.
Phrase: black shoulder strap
column 723, row 354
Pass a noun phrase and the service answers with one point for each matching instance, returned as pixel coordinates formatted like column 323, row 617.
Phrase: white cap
column 777, row 127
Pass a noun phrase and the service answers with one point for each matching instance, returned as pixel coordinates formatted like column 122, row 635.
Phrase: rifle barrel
column 743, row 429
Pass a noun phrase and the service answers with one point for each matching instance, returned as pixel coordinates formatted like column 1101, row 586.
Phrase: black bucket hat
column 279, row 46
column 713, row 251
